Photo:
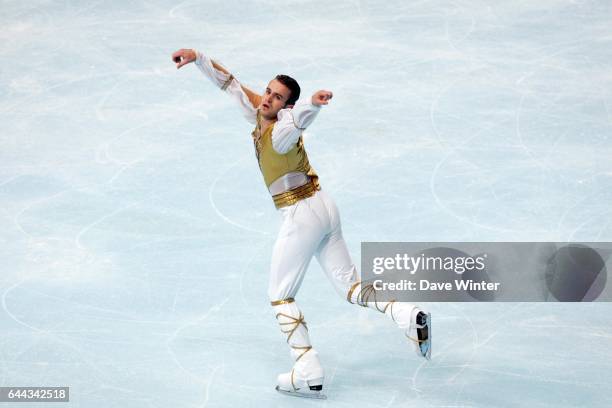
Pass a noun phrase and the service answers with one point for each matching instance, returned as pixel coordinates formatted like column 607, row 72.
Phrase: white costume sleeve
column 290, row 124
column 228, row 84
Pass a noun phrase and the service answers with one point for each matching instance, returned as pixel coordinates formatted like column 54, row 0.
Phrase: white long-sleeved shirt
column 290, row 122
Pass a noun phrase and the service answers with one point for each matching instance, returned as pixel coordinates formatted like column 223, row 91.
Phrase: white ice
column 136, row 231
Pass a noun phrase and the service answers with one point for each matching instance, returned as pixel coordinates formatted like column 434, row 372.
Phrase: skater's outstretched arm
column 221, row 77
column 291, row 122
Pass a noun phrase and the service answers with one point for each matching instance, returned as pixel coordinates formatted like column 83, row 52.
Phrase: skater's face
column 274, row 99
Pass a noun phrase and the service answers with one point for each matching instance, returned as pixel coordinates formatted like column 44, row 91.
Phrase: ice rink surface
column 136, row 230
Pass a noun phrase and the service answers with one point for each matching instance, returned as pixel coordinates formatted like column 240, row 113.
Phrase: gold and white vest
column 274, row 166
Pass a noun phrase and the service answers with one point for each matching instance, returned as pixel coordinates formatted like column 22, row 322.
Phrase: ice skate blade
column 311, row 394
column 421, row 336
column 425, row 346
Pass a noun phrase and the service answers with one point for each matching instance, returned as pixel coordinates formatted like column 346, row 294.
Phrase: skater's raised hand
column 183, row 57
column 321, row 97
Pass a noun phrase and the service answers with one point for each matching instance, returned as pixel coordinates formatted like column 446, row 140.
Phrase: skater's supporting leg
column 298, row 239
column 306, row 376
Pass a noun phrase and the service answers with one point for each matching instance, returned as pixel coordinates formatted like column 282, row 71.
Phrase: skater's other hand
column 321, row 97
column 183, row 57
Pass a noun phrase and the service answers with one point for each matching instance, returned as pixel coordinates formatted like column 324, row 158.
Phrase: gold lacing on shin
column 296, row 323
column 367, row 294
column 282, row 302
column 349, row 296
column 227, row 83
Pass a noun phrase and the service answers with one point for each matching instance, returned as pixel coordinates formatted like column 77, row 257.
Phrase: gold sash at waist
column 293, row 196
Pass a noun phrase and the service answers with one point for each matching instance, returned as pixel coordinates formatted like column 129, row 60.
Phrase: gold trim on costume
column 296, row 322
column 295, row 124
column 350, row 292
column 282, row 302
column 293, row 196
column 417, row 341
column 292, row 383
column 292, row 192
column 227, row 83
column 366, row 295
column 391, row 311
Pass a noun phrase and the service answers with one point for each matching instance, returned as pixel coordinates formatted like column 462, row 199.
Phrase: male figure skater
column 310, row 220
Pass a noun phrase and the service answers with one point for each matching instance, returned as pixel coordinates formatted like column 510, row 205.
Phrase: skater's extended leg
column 336, row 261
column 415, row 322
column 333, row 254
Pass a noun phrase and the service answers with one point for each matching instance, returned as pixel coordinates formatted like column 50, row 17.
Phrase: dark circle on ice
column 444, row 276
column 576, row 273
column 479, row 276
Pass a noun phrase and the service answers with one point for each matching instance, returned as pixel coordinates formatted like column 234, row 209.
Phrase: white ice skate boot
column 417, row 325
column 292, row 384
column 306, row 377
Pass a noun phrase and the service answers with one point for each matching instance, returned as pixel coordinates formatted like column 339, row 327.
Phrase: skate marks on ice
column 467, row 368
column 528, row 125
column 469, row 358
column 508, row 114
column 216, row 209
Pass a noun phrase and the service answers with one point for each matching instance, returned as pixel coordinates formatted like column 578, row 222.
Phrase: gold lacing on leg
column 227, row 83
column 417, row 341
column 366, row 295
column 350, row 292
column 292, row 383
column 390, row 304
column 282, row 302
column 296, row 323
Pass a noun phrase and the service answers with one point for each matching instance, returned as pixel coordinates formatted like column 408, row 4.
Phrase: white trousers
column 311, row 227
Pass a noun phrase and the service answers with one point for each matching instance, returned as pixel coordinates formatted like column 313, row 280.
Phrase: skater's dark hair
column 293, row 87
